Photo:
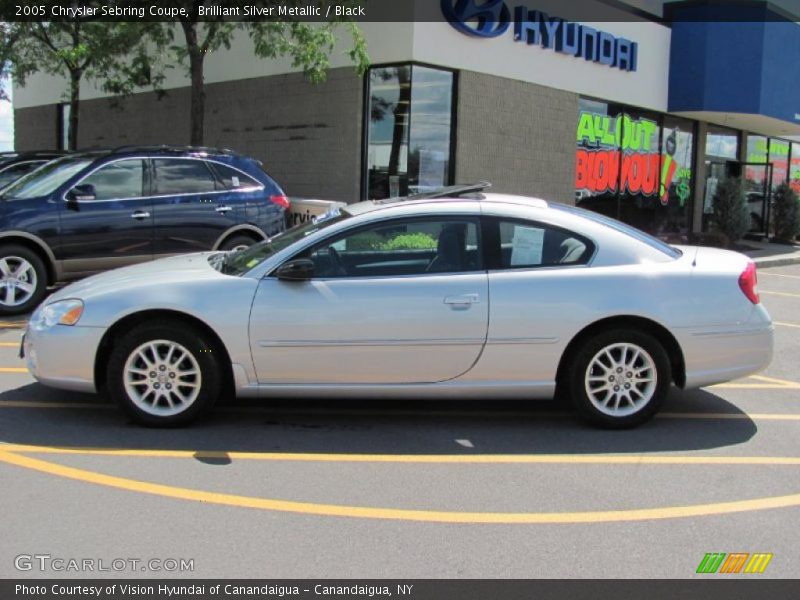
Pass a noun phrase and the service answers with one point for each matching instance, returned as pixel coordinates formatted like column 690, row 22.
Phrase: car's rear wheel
column 165, row 374
column 237, row 242
column 619, row 378
column 23, row 280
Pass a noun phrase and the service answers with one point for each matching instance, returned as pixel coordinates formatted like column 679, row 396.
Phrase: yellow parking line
column 13, row 370
column 778, row 293
column 9, row 344
column 762, row 273
column 786, row 324
column 367, row 512
column 617, row 459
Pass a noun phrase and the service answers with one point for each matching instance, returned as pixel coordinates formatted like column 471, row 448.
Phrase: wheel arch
column 128, row 322
column 244, row 229
column 657, row 330
column 37, row 245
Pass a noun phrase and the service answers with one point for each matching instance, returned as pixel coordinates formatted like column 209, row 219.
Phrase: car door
column 188, row 214
column 106, row 219
column 403, row 301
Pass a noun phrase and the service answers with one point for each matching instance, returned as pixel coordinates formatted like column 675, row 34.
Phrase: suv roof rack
column 169, row 148
column 451, row 191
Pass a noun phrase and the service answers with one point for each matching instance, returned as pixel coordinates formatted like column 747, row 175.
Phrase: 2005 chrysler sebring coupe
column 453, row 294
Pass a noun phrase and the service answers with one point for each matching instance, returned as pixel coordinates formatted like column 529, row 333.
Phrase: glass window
column 46, row 180
column 722, row 143
column 525, row 244
column 63, row 126
column 673, row 212
column 16, row 171
column 117, row 180
column 779, row 157
column 410, row 126
column 794, row 168
column 181, row 176
column 401, row 248
column 233, row 179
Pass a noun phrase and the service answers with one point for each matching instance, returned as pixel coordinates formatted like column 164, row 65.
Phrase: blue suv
column 92, row 211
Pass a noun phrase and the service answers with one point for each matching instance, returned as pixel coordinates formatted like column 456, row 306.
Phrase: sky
column 6, row 122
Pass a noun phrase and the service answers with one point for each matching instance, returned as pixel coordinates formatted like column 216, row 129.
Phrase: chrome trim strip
column 498, row 341
column 335, row 343
column 732, row 332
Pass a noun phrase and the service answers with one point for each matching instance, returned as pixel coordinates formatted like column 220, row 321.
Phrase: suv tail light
column 748, row 282
column 281, row 200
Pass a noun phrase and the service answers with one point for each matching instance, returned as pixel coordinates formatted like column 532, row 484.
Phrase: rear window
column 637, row 234
column 233, row 179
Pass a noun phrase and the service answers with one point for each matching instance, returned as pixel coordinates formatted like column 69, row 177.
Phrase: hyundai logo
column 487, row 18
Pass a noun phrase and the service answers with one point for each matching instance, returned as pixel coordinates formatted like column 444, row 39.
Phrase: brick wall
column 520, row 136
column 308, row 136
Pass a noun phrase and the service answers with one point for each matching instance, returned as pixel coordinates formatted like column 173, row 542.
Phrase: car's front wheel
column 23, row 280
column 619, row 378
column 165, row 374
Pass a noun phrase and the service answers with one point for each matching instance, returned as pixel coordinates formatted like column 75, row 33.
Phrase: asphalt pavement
column 340, row 489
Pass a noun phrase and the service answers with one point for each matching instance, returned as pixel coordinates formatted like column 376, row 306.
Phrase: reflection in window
column 410, row 125
column 779, row 157
column 794, row 168
column 118, row 180
column 722, row 143
column 175, row 176
column 672, row 214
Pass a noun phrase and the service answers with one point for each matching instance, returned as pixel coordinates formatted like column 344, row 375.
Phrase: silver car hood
column 168, row 270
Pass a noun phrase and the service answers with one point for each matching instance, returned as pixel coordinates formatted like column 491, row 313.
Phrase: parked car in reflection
column 465, row 295
column 92, row 211
column 14, row 165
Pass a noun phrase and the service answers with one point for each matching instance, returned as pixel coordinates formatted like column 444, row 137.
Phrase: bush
column 786, row 214
column 730, row 209
column 410, row 241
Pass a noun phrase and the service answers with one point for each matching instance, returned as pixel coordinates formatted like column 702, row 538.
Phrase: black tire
column 630, row 414
column 205, row 354
column 237, row 241
column 11, row 254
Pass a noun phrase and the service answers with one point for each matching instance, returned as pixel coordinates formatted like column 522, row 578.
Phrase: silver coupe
column 453, row 294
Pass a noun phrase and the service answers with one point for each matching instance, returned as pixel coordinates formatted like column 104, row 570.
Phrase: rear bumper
column 726, row 353
column 63, row 356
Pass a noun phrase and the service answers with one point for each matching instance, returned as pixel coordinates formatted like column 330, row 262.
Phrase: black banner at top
column 475, row 11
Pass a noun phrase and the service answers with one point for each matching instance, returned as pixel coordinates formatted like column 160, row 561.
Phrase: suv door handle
column 224, row 209
column 464, row 300
column 140, row 214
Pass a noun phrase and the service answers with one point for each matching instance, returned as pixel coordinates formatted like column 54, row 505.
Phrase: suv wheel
column 619, row 378
column 164, row 374
column 237, row 242
column 23, row 280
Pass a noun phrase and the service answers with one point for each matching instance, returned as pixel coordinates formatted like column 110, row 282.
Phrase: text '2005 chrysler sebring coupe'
column 455, row 294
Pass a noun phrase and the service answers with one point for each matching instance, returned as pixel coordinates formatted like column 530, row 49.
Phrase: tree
column 116, row 55
column 730, row 209
column 786, row 214
column 308, row 44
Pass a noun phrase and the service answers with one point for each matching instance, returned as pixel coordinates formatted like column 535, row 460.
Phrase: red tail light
column 748, row 282
column 280, row 201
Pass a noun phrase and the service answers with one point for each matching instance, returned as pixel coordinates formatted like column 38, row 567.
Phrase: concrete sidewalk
column 767, row 254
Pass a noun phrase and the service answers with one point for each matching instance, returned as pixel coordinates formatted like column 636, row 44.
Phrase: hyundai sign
column 491, row 18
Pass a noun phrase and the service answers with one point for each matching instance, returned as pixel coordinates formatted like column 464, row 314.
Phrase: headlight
column 64, row 312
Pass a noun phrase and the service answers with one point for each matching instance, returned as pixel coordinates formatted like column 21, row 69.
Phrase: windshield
column 46, row 179
column 638, row 234
column 238, row 263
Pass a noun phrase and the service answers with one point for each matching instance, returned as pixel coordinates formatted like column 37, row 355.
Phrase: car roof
column 155, row 150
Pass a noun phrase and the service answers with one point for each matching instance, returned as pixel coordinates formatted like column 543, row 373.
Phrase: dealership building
column 636, row 108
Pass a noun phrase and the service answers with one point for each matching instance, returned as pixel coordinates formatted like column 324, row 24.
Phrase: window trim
column 494, row 253
column 474, row 219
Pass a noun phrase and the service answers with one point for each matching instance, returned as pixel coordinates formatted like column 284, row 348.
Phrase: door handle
column 139, row 214
column 464, row 300
column 224, row 209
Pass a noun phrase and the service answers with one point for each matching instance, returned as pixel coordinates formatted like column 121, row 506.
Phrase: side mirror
column 82, row 193
column 299, row 269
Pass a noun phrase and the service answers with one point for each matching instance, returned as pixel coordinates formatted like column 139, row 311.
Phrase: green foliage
column 403, row 241
column 730, row 209
column 786, row 213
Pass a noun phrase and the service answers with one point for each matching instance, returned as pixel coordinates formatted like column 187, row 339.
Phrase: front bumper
column 63, row 356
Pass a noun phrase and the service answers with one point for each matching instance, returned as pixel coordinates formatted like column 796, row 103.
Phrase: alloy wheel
column 18, row 281
column 621, row 379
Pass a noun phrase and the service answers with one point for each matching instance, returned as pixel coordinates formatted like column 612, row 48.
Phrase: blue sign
column 536, row 28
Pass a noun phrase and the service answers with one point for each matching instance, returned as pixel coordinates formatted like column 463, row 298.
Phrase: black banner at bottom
column 411, row 589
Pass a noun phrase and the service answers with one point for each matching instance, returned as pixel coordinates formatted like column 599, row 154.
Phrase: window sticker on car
column 252, row 263
column 526, row 246
column 235, row 181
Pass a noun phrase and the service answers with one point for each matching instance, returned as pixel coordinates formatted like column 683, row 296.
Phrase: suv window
column 47, row 179
column 117, row 180
column 182, row 176
column 409, row 247
column 233, row 179
column 16, row 171
column 525, row 244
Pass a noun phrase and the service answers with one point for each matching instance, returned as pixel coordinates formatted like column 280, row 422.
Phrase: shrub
column 730, row 209
column 410, row 241
column 786, row 214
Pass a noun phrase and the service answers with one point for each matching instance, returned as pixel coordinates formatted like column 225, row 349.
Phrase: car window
column 525, row 244
column 233, row 179
column 16, row 171
column 182, row 176
column 410, row 247
column 45, row 180
column 117, row 180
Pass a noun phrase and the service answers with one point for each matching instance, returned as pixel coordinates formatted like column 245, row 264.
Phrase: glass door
column 756, row 178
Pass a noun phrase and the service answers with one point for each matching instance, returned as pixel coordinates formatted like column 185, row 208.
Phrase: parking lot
column 409, row 489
